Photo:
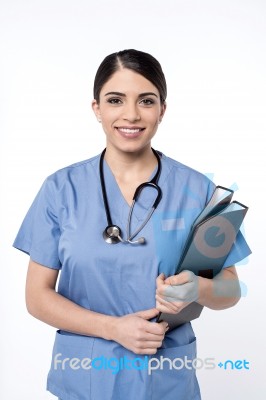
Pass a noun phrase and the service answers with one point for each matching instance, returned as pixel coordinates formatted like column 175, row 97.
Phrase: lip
column 130, row 131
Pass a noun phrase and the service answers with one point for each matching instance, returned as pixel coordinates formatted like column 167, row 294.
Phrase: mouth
column 129, row 131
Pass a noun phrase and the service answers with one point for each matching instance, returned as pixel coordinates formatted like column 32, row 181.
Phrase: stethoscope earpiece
column 112, row 233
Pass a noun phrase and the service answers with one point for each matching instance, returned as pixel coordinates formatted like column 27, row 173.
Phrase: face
column 129, row 110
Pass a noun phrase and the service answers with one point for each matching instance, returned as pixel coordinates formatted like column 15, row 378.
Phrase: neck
column 131, row 169
column 128, row 166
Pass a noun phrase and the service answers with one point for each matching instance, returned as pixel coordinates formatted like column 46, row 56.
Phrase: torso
column 121, row 279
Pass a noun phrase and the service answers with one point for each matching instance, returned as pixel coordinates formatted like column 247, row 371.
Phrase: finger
column 186, row 293
column 179, row 279
column 150, row 344
column 160, row 279
column 148, row 351
column 147, row 314
column 165, row 309
column 178, row 292
column 171, row 304
column 161, row 289
column 152, row 337
column 174, row 302
column 157, row 329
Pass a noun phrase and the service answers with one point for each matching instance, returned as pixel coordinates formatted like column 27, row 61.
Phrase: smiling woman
column 110, row 291
column 132, row 112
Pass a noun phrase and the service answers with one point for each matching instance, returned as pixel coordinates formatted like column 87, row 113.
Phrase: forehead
column 127, row 81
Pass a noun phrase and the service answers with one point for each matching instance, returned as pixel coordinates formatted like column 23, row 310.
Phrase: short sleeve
column 239, row 251
column 39, row 233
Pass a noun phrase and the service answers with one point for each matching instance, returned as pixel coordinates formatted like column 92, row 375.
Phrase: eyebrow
column 140, row 95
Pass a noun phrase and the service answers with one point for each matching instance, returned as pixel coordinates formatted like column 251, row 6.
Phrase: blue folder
column 210, row 241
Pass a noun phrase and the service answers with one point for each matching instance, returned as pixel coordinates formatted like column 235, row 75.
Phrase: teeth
column 127, row 130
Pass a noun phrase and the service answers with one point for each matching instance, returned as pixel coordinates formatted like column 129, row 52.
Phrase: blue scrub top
column 63, row 230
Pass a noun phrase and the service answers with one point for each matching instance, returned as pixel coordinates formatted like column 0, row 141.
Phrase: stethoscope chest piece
column 112, row 234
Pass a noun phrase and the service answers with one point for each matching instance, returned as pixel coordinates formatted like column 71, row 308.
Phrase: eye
column 147, row 102
column 114, row 100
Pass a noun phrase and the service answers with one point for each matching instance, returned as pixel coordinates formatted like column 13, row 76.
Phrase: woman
column 106, row 304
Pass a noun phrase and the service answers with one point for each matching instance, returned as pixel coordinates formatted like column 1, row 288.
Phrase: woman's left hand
column 176, row 292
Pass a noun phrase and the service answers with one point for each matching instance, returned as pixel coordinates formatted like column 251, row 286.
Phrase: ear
column 163, row 109
column 96, row 109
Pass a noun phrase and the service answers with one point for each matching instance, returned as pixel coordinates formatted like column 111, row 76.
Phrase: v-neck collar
column 145, row 200
column 119, row 208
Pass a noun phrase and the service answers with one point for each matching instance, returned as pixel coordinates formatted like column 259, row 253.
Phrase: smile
column 129, row 131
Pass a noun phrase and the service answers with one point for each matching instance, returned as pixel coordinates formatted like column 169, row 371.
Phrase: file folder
column 210, row 241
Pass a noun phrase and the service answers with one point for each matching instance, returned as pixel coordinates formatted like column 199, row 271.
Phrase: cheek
column 109, row 117
column 154, row 123
column 152, row 118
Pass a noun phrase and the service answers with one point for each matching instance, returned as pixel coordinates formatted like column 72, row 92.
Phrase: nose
column 131, row 112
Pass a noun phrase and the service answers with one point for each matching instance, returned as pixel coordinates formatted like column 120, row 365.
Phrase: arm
column 132, row 331
column 221, row 292
column 176, row 292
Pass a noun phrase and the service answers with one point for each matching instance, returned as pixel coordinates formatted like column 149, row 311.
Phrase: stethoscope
column 112, row 233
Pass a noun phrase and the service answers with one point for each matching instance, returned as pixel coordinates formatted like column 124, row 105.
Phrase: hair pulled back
column 139, row 62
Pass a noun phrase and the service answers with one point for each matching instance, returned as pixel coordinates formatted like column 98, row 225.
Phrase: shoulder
column 176, row 167
column 74, row 172
column 182, row 179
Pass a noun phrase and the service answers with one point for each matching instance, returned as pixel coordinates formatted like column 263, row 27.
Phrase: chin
column 133, row 147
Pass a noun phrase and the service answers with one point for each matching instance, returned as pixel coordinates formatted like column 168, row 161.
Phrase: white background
column 213, row 53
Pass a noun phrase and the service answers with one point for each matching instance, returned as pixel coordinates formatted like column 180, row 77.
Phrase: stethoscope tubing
column 112, row 233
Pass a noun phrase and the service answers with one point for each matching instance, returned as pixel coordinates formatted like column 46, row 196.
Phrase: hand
column 176, row 292
column 136, row 333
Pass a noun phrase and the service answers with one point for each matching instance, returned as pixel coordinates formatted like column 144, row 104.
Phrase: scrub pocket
column 173, row 376
column 69, row 377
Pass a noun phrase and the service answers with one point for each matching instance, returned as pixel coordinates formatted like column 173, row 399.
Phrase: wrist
column 109, row 327
column 203, row 290
column 101, row 325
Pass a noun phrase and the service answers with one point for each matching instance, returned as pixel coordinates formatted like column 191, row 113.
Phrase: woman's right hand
column 133, row 331
column 136, row 333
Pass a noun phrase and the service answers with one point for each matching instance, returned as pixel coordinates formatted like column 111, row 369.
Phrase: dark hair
column 139, row 62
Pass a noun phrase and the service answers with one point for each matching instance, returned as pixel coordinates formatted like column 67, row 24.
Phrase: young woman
column 117, row 261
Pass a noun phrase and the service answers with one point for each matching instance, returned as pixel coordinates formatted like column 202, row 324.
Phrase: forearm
column 221, row 292
column 133, row 331
column 58, row 311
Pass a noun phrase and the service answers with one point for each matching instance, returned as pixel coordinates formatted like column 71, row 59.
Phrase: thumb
column 147, row 314
column 161, row 277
